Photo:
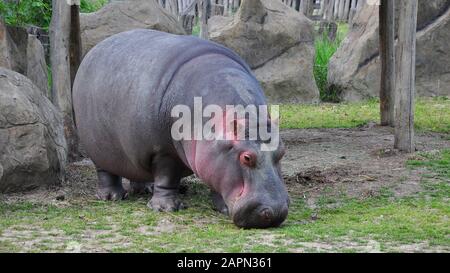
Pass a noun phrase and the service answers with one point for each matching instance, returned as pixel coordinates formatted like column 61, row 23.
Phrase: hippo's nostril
column 266, row 214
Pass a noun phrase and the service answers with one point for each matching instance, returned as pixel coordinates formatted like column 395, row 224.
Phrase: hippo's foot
column 219, row 203
column 166, row 186
column 112, row 194
column 140, row 188
column 166, row 204
column 110, row 186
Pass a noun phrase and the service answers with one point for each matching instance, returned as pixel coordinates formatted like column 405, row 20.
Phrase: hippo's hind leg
column 110, row 186
column 166, row 186
column 219, row 203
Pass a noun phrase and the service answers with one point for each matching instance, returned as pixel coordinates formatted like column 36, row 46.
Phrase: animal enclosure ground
column 350, row 192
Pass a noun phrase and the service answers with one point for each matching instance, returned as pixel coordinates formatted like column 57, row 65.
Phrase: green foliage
column 87, row 6
column 325, row 48
column 26, row 12
column 38, row 12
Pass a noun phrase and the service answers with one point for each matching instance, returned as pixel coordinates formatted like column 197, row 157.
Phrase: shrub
column 325, row 48
column 87, row 6
column 27, row 12
column 38, row 12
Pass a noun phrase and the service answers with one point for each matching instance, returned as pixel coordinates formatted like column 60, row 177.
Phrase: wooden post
column 225, row 8
column 304, row 7
column 352, row 12
column 360, row 4
column 297, row 5
column 329, row 9
column 75, row 51
column 406, row 68
column 236, row 5
column 387, row 54
column 203, row 10
column 336, row 9
column 321, row 8
column 60, row 40
column 341, row 10
column 346, row 10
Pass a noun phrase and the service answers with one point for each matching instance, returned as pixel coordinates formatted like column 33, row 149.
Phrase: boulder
column 37, row 66
column 355, row 69
column 13, row 48
column 278, row 44
column 122, row 16
column 24, row 54
column 32, row 144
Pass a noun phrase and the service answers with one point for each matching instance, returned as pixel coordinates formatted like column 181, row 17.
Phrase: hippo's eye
column 248, row 159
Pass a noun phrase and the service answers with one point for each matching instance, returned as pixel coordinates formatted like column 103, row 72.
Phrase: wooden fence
column 327, row 10
column 215, row 7
column 319, row 10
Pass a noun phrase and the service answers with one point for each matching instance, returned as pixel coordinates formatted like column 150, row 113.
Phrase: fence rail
column 319, row 10
column 326, row 10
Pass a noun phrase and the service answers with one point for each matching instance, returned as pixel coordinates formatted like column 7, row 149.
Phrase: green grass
column 341, row 224
column 430, row 115
column 324, row 51
column 438, row 162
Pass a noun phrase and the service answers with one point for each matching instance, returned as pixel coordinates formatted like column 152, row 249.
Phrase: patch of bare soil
column 357, row 162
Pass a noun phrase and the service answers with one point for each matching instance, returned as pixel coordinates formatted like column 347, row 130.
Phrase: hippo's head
column 248, row 179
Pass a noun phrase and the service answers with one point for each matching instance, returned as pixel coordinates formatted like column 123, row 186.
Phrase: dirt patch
column 357, row 162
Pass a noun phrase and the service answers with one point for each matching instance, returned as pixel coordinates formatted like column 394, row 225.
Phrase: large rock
column 37, row 66
column 355, row 69
column 122, row 16
column 32, row 144
column 13, row 48
column 278, row 44
column 24, row 54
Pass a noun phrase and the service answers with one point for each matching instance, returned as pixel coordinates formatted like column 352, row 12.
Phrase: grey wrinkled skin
column 123, row 95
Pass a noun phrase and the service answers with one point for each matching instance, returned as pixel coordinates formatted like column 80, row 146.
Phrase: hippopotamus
column 123, row 96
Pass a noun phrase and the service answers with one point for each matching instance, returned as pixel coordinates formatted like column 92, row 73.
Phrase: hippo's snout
column 257, row 215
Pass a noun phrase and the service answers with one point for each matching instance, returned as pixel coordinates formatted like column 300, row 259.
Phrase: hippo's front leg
column 165, row 189
column 219, row 203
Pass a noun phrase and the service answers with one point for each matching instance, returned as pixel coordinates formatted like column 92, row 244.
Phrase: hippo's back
column 120, row 109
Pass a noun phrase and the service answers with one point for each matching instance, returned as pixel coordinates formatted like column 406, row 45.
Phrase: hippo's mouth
column 234, row 204
column 256, row 210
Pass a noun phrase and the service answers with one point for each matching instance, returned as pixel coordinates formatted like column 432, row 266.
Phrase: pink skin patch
column 193, row 156
column 206, row 166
